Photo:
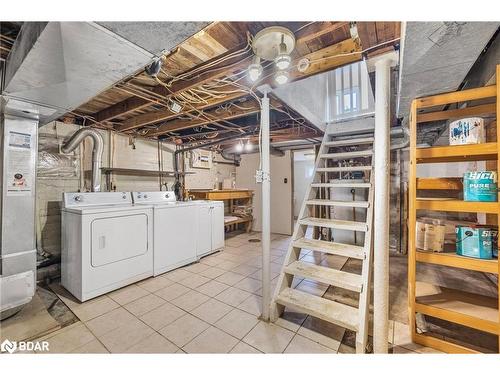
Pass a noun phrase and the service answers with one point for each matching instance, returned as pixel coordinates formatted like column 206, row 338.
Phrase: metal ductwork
column 98, row 147
column 61, row 65
column 436, row 57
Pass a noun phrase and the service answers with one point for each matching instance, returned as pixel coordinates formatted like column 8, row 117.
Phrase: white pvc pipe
column 381, row 207
column 266, row 209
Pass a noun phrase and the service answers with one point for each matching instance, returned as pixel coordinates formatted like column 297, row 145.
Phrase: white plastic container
column 467, row 131
column 430, row 235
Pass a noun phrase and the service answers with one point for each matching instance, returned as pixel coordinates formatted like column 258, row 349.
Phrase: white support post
column 381, row 207
column 266, row 208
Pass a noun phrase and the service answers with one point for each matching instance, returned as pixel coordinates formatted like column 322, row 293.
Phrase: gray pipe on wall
column 97, row 150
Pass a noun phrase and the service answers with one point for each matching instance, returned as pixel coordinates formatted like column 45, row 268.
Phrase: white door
column 217, row 226
column 175, row 244
column 204, row 240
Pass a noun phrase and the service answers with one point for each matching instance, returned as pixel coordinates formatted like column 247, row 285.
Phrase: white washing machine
column 175, row 229
column 107, row 243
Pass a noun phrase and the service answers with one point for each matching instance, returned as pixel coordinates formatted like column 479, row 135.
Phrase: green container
column 476, row 241
column 480, row 186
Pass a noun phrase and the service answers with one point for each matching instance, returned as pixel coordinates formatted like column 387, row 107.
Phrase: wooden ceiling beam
column 134, row 103
column 321, row 60
column 214, row 115
column 166, row 114
column 230, row 66
column 316, row 30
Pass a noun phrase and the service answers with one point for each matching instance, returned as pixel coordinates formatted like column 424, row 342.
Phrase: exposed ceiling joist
column 327, row 58
column 212, row 116
column 231, row 66
column 135, row 103
column 167, row 114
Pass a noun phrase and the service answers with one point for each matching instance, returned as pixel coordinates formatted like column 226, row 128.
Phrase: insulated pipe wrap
column 97, row 150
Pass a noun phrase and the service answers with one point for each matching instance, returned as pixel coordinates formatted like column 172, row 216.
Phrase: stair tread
column 328, row 202
column 341, row 184
column 347, row 155
column 330, row 311
column 347, row 142
column 345, row 169
column 330, row 276
column 335, row 248
column 334, row 223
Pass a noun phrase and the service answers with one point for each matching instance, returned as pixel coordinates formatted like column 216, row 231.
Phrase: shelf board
column 461, row 153
column 458, row 261
column 468, row 309
column 455, row 205
column 239, row 221
column 442, row 345
column 139, row 172
column 440, row 183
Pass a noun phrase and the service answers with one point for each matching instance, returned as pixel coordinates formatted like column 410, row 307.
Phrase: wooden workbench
column 229, row 195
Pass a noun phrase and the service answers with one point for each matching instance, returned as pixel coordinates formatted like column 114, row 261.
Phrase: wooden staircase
column 336, row 158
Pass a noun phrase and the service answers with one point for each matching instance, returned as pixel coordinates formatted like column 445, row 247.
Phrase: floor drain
column 253, row 240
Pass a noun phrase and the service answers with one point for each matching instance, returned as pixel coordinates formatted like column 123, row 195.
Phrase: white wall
column 303, row 167
column 281, row 192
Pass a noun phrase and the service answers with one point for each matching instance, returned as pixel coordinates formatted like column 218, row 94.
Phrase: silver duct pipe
column 97, row 150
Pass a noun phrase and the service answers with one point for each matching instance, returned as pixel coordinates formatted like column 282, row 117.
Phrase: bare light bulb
column 255, row 69
column 281, row 77
column 239, row 147
column 248, row 146
column 283, row 59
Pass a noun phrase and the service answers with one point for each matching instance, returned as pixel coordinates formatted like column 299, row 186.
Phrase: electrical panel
column 201, row 159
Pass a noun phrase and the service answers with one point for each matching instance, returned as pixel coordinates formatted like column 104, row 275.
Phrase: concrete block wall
column 120, row 151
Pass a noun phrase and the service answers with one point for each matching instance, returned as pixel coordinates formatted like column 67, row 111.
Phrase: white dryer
column 107, row 243
column 175, row 229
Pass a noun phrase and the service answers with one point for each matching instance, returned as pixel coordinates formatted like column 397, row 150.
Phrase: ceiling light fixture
column 281, row 77
column 283, row 59
column 174, row 106
column 303, row 65
column 239, row 146
column 255, row 69
column 248, row 146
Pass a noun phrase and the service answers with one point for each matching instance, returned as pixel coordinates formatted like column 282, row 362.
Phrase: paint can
column 478, row 241
column 467, row 131
column 480, row 186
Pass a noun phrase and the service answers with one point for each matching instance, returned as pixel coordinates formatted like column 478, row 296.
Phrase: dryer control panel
column 96, row 199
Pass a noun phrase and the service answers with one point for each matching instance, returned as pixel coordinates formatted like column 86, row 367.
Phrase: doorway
column 303, row 168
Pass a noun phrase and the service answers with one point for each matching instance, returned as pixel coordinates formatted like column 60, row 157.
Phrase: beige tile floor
column 207, row 307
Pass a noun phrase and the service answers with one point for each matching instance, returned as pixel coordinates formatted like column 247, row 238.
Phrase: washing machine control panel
column 154, row 196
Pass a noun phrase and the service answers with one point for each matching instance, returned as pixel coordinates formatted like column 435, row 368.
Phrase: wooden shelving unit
column 231, row 196
column 475, row 311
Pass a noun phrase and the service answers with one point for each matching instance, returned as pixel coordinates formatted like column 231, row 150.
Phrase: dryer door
column 118, row 238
